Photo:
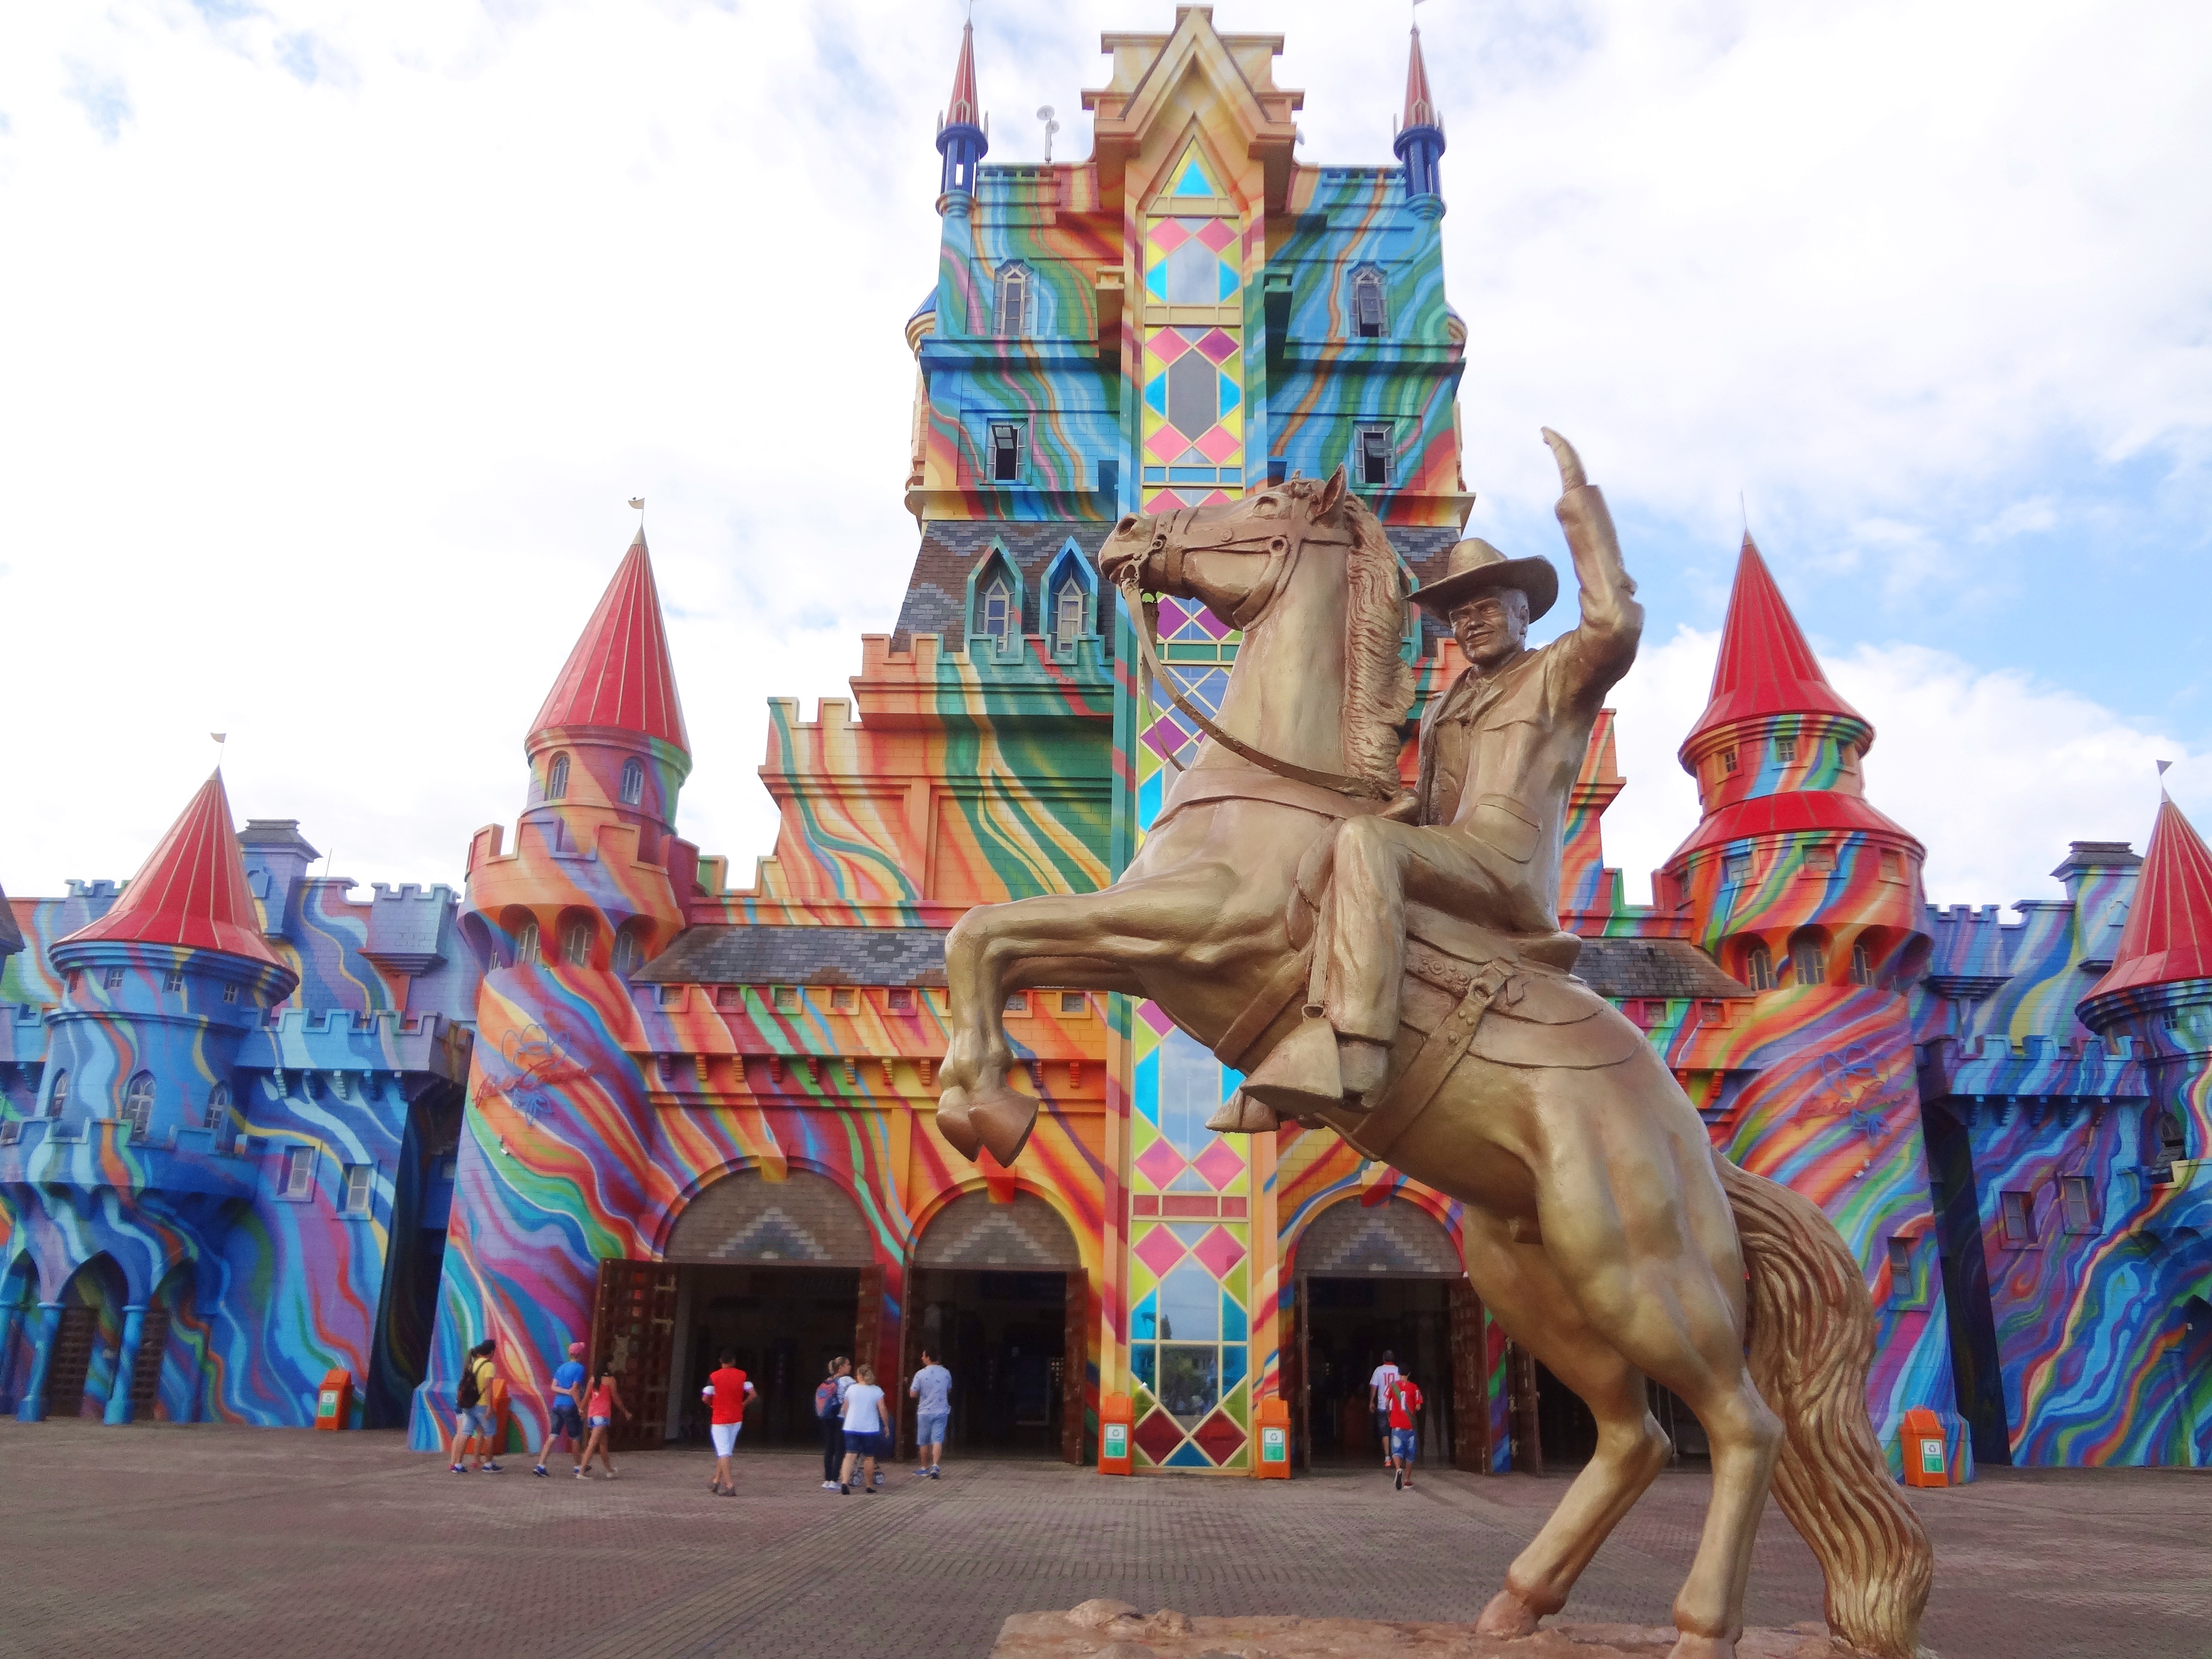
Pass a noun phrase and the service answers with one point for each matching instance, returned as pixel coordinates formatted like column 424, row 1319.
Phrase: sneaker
column 843, row 1490
column 540, row 1471
column 828, row 1486
column 933, row 1474
column 871, row 1491
column 580, row 1475
column 1400, row 1482
column 488, row 1469
column 459, row 1469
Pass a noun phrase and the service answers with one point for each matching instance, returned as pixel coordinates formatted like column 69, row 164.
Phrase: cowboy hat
column 1476, row 566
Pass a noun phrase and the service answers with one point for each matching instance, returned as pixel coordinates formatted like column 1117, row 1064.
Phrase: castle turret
column 1421, row 141
column 963, row 135
column 1793, row 875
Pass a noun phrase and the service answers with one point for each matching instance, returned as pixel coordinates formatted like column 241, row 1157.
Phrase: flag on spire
column 620, row 675
column 2168, row 936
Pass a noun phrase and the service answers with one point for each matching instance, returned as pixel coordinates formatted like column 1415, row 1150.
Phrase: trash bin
column 1927, row 1459
column 1275, row 1460
column 1113, row 1453
column 334, row 1400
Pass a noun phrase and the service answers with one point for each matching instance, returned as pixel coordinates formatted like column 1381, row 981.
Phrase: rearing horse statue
column 1600, row 1228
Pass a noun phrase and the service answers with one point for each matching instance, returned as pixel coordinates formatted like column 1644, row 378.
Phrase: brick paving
column 215, row 1542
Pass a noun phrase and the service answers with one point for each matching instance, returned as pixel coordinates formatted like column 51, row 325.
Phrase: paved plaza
column 216, row 1542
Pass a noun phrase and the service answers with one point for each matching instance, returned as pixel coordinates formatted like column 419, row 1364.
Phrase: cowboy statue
column 1499, row 751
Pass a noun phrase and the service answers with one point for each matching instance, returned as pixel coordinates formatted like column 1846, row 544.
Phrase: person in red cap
column 567, row 1419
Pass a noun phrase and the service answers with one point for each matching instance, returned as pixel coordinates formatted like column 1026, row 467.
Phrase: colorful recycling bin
column 334, row 1400
column 1927, row 1456
column 1273, row 1462
column 1115, row 1457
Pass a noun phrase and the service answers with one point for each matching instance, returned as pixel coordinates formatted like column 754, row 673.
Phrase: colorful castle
column 667, row 1115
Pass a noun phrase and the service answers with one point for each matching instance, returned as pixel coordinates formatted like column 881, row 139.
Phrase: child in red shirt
column 1404, row 1397
column 727, row 1392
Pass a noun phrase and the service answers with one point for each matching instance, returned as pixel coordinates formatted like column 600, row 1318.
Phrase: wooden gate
column 1075, row 1361
column 867, row 1338
column 633, row 1334
column 72, row 1362
column 146, row 1369
column 1470, row 1370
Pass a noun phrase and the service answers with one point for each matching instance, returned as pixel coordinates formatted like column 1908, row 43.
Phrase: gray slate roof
column 727, row 955
column 11, row 936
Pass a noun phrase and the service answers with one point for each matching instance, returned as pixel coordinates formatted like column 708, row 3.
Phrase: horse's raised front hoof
column 953, row 1122
column 1691, row 1645
column 1241, row 1114
column 1507, row 1615
column 1004, row 1118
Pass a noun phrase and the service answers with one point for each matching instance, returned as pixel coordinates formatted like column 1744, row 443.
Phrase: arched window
column 556, row 779
column 1067, row 613
column 1805, row 960
column 628, row 950
column 1369, row 319
column 1016, row 300
column 58, row 1097
column 576, row 942
column 633, row 782
column 1862, row 964
column 2173, row 1137
column 218, row 1107
column 526, row 944
column 1758, row 967
column 138, row 1104
column 997, row 609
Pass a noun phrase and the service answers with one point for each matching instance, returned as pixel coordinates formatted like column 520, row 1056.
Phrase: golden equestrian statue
column 1390, row 965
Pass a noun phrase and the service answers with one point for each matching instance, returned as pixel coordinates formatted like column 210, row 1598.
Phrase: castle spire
column 619, row 676
column 1765, row 667
column 2168, row 936
column 191, row 891
column 1421, row 141
column 964, row 135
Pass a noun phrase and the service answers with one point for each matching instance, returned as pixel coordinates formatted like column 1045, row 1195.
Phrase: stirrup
column 1241, row 1114
column 1301, row 1076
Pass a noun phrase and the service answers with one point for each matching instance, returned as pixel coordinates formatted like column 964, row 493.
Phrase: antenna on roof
column 1045, row 114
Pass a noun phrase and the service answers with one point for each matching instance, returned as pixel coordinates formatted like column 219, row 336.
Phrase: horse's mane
column 1378, row 684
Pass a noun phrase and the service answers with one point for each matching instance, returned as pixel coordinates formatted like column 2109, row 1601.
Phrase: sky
column 334, row 336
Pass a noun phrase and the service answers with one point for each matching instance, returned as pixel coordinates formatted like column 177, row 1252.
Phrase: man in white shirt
column 1378, row 1402
column 932, row 1389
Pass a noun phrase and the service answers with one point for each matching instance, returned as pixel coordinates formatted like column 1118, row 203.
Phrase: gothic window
column 1005, row 452
column 58, row 1097
column 1370, row 452
column 139, row 1105
column 1067, row 614
column 556, row 779
column 1758, row 967
column 1805, row 961
column 576, row 942
column 1368, row 318
column 633, row 782
column 1862, row 964
column 526, row 944
column 997, row 612
column 1016, row 301
column 628, row 952
column 218, row 1107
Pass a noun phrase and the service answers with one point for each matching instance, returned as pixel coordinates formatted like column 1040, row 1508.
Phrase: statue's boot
column 1241, row 1114
column 1301, row 1076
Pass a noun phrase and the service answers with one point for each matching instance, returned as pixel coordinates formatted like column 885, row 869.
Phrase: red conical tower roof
column 2169, row 932
column 1420, row 108
column 619, row 673
column 192, row 892
column 1765, row 667
column 965, row 109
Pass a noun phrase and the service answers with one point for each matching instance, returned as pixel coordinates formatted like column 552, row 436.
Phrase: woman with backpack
column 599, row 1417
column 473, row 1421
column 830, row 1413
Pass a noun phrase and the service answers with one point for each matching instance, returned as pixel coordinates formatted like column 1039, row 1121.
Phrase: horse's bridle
column 1282, row 553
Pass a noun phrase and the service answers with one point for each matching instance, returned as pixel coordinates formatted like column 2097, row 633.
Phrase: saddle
column 1511, row 999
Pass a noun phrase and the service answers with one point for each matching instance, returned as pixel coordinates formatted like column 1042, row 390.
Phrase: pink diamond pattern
column 1171, row 500
column 1219, row 445
column 1213, row 498
column 1219, row 1165
column 1218, row 234
column 1155, row 1016
column 1218, row 346
column 1168, row 737
column 1169, row 234
column 1160, row 1163
column 1219, row 1251
column 1165, row 445
column 1169, row 344
column 1159, row 1249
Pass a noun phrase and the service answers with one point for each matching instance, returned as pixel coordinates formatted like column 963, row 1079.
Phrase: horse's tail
column 1812, row 1341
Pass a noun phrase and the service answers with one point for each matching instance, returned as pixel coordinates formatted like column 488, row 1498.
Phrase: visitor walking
column 931, row 1389
column 599, row 1409
column 473, row 1421
column 1378, row 1402
column 728, row 1394
column 567, row 1424
column 1405, row 1397
column 830, row 1412
column 864, row 1430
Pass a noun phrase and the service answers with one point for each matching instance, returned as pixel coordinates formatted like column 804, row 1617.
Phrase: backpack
column 825, row 1400
column 470, row 1392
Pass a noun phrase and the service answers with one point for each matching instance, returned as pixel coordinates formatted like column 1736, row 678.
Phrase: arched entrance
column 87, row 1342
column 781, row 1273
column 998, row 1293
column 1371, row 1279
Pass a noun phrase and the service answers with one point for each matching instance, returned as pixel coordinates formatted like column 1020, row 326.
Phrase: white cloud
column 348, row 330
column 1994, row 772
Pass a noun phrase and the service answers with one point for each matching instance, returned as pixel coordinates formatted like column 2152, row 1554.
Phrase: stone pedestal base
column 1114, row 1630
